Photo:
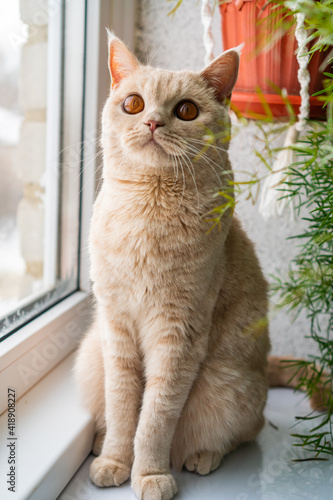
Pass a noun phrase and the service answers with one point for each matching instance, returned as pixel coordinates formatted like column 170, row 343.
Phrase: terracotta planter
column 265, row 60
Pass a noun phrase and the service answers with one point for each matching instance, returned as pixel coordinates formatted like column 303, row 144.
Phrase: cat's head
column 154, row 116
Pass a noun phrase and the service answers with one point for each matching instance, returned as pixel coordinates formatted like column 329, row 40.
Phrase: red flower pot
column 266, row 60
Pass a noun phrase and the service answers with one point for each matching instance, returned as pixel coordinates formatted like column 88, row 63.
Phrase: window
column 41, row 148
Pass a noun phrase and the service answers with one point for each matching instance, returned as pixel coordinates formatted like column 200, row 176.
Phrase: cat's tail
column 286, row 371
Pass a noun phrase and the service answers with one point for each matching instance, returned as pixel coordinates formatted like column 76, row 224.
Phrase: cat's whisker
column 173, row 139
column 192, row 172
column 230, row 172
column 73, row 163
column 177, row 164
column 116, row 150
column 133, row 133
column 211, row 166
column 210, row 162
column 206, row 143
column 184, row 141
column 195, row 151
column 209, row 145
column 96, row 171
column 82, row 144
column 132, row 136
column 100, row 180
column 174, row 165
column 188, row 163
column 177, row 159
column 184, row 183
column 80, row 170
column 70, row 165
column 174, row 171
column 199, row 153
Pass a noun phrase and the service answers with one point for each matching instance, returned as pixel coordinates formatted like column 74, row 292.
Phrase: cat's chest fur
column 148, row 243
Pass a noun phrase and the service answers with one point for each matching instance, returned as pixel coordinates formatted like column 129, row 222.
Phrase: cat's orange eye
column 186, row 110
column 133, row 104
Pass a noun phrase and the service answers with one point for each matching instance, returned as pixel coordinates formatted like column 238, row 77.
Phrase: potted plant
column 268, row 62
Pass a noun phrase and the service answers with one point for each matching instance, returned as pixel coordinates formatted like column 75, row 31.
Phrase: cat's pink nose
column 153, row 124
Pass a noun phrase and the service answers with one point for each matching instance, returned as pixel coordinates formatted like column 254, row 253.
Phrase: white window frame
column 29, row 358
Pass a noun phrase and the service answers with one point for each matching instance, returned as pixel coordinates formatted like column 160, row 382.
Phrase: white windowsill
column 261, row 470
column 33, row 351
column 54, row 436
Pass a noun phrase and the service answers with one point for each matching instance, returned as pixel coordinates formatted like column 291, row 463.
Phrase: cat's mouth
column 152, row 142
column 160, row 145
column 156, row 144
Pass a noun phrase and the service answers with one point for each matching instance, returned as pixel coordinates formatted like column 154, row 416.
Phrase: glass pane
column 41, row 79
column 12, row 265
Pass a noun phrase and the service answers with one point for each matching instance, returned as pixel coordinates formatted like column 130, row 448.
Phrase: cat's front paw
column 105, row 471
column 154, row 487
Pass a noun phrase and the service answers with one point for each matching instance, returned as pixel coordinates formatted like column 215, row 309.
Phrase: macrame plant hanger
column 273, row 201
column 208, row 39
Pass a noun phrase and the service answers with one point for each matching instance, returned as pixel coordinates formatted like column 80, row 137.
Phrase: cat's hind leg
column 224, row 408
column 98, row 443
column 89, row 375
column 203, row 462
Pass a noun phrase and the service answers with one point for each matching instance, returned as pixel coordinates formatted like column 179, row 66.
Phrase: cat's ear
column 221, row 74
column 121, row 60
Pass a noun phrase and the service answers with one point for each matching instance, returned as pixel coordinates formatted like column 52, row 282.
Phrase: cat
column 174, row 367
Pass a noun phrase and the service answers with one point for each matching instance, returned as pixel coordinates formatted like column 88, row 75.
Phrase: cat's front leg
column 123, row 391
column 171, row 370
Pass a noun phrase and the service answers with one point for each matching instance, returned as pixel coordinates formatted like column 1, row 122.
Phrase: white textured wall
column 173, row 42
column 176, row 43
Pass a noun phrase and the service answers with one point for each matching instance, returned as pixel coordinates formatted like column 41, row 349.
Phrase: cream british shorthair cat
column 174, row 366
